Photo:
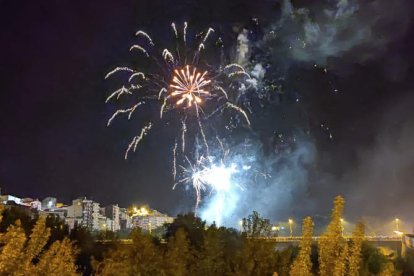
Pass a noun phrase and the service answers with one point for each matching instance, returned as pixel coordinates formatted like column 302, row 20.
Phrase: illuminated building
column 8, row 199
column 151, row 221
column 112, row 212
column 49, row 203
column 26, row 202
column 84, row 213
column 104, row 223
column 124, row 219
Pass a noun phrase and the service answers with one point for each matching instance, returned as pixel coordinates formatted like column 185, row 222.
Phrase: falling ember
column 189, row 86
column 175, row 160
column 134, row 143
column 230, row 105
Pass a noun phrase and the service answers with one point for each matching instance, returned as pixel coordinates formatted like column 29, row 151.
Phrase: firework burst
column 177, row 84
column 205, row 175
column 184, row 82
column 189, row 86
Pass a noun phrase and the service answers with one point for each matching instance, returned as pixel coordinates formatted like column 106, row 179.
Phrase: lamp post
column 290, row 227
column 397, row 224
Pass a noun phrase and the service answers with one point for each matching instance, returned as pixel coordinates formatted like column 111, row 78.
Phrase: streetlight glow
column 290, row 227
column 397, row 224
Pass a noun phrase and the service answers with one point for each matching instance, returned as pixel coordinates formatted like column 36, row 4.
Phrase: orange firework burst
column 189, row 86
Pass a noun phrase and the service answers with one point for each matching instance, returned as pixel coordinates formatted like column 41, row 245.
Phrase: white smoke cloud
column 258, row 71
column 359, row 29
column 266, row 184
column 242, row 50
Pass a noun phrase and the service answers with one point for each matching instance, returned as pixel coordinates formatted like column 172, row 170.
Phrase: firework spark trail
column 221, row 146
column 121, row 111
column 163, row 106
column 161, row 91
column 185, row 33
column 236, row 65
column 210, row 30
column 221, row 89
column 204, row 136
column 239, row 73
column 117, row 69
column 137, row 139
column 230, row 105
column 136, row 74
column 175, row 160
column 146, row 36
column 140, row 48
column 183, row 132
column 167, row 55
column 177, row 48
column 174, row 29
column 200, row 47
column 118, row 93
column 194, row 176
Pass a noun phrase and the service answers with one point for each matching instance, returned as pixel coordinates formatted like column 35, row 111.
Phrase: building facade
column 84, row 213
column 49, row 203
column 125, row 222
column 154, row 220
column 112, row 212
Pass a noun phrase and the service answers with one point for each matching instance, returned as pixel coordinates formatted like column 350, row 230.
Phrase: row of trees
column 195, row 249
column 188, row 247
column 336, row 256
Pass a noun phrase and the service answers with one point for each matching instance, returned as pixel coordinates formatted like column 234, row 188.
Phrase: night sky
column 54, row 140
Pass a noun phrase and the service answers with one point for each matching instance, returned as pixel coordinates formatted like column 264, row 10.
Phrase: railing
column 288, row 239
column 298, row 238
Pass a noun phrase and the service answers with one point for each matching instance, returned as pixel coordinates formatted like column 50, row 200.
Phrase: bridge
column 283, row 239
column 296, row 239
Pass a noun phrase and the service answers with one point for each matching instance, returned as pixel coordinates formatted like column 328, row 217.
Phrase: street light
column 275, row 230
column 290, row 227
column 397, row 224
column 342, row 227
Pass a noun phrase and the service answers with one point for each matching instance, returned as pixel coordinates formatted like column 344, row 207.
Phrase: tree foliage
column 332, row 245
column 256, row 226
column 355, row 250
column 140, row 258
column 179, row 255
column 193, row 226
column 27, row 255
column 302, row 265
